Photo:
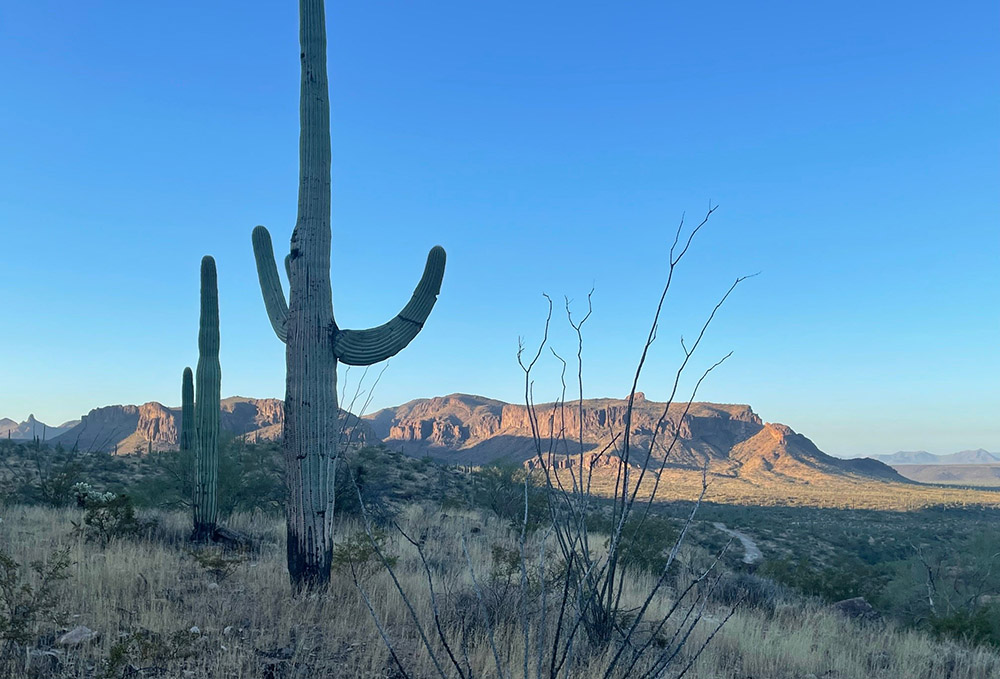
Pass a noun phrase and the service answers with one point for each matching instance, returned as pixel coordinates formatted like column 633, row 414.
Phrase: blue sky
column 549, row 147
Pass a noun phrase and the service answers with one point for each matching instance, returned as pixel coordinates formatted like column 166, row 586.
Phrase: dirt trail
column 751, row 553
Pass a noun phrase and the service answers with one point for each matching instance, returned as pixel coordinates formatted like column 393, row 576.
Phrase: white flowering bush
column 85, row 494
column 108, row 516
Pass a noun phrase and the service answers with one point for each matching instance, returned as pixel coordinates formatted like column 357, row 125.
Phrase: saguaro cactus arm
column 365, row 347
column 270, row 284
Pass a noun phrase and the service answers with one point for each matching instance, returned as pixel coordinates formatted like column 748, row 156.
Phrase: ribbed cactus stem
column 270, row 284
column 208, row 394
column 314, row 342
column 187, row 410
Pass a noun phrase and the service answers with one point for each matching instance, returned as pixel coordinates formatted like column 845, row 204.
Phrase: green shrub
column 501, row 489
column 358, row 554
column 109, row 516
column 146, row 647
column 216, row 562
column 26, row 602
column 980, row 626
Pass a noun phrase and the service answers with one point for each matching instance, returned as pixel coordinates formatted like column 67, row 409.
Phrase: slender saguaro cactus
column 187, row 410
column 208, row 386
column 314, row 342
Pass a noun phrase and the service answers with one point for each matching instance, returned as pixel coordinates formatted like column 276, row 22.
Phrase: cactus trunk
column 311, row 379
column 306, row 323
column 187, row 410
column 206, row 407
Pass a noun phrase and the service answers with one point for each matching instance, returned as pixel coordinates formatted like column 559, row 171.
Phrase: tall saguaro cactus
column 314, row 342
column 207, row 397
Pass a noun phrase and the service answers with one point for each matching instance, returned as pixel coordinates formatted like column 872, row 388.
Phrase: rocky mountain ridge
column 125, row 429
column 31, row 428
column 730, row 440
column 922, row 457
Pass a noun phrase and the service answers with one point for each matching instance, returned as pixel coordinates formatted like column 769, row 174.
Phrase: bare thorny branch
column 589, row 597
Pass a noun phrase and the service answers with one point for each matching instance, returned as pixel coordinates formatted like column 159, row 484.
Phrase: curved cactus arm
column 270, row 284
column 365, row 347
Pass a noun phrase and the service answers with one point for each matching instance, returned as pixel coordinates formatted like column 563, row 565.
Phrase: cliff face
column 135, row 429
column 450, row 425
column 731, row 440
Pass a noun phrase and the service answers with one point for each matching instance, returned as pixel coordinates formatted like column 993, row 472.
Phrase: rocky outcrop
column 460, row 422
column 247, row 415
column 158, row 424
column 730, row 439
column 126, row 429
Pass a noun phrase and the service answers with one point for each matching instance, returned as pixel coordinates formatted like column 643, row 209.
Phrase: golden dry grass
column 251, row 625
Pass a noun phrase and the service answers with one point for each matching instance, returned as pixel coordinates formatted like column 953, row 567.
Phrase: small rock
column 856, row 608
column 227, row 629
column 77, row 635
column 195, row 630
column 213, row 585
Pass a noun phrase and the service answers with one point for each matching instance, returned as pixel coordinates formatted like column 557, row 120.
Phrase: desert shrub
column 110, row 516
column 646, row 543
column 251, row 478
column 752, row 590
column 217, row 563
column 356, row 483
column 849, row 577
column 978, row 626
column 146, row 647
column 26, row 601
column 501, row 487
column 359, row 554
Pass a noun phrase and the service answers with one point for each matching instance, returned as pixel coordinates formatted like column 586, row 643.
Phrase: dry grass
column 145, row 596
column 827, row 492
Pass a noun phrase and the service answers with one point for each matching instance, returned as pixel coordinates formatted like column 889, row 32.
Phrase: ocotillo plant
column 206, row 420
column 314, row 342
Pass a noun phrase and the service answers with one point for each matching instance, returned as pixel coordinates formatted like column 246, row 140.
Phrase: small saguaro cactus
column 208, row 382
column 187, row 410
column 314, row 342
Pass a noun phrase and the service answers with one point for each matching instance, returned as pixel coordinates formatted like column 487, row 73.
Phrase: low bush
column 28, row 598
column 110, row 516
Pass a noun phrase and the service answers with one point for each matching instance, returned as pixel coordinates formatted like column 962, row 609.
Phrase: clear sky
column 549, row 147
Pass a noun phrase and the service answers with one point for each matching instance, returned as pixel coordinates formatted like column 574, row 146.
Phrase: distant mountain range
column 31, row 428
column 730, row 440
column 977, row 456
column 126, row 429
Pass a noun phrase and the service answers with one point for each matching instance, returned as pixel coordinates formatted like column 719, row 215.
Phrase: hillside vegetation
column 163, row 607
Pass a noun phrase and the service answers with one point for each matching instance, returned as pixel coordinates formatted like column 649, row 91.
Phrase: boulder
column 76, row 636
column 857, row 609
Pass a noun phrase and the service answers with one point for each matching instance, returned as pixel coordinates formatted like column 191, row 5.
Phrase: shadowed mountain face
column 31, row 428
column 731, row 440
column 124, row 429
column 130, row 428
